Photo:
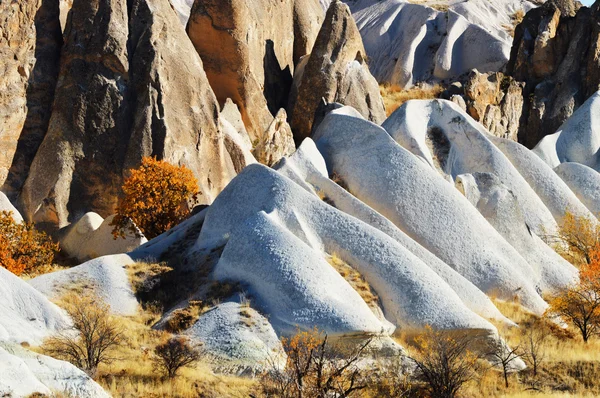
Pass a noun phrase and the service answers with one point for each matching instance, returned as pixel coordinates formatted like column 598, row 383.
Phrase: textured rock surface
column 24, row 374
column 411, row 194
column 237, row 339
column 115, row 104
column 308, row 17
column 584, row 182
column 247, row 49
column 30, row 42
column 556, row 53
column 106, row 277
column 495, row 101
column 336, row 71
column 276, row 142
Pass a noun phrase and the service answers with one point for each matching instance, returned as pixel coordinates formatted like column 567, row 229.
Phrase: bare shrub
column 93, row 338
column 316, row 368
column 174, row 354
column 445, row 362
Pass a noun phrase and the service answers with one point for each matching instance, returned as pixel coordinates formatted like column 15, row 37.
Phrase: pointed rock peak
column 335, row 72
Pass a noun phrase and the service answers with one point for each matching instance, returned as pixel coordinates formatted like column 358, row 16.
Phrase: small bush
column 23, row 249
column 94, row 337
column 174, row 354
column 157, row 196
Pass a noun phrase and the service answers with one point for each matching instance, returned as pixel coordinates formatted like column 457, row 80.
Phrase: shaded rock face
column 308, row 17
column 30, row 41
column 556, row 52
column 496, row 101
column 336, row 70
column 247, row 49
column 130, row 85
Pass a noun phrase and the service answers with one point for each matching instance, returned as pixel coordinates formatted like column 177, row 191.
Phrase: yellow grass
column 133, row 374
column 571, row 367
column 355, row 279
column 394, row 96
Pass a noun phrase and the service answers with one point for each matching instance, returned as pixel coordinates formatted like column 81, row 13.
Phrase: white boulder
column 91, row 236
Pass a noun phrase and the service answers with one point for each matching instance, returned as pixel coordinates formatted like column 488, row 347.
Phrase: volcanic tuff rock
column 308, row 17
column 247, row 48
column 30, row 41
column 337, row 71
column 556, row 52
column 131, row 85
column 277, row 141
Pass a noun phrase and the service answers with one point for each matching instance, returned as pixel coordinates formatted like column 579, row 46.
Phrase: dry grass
column 133, row 374
column 571, row 367
column 516, row 19
column 355, row 279
column 394, row 96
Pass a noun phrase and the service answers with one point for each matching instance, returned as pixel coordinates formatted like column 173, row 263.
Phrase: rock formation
column 247, row 49
column 308, row 17
column 277, row 141
column 336, row 70
column 410, row 42
column 30, row 45
column 117, row 100
column 556, row 53
column 495, row 101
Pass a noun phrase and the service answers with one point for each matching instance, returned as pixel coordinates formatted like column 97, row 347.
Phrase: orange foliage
column 22, row 247
column 590, row 273
column 156, row 198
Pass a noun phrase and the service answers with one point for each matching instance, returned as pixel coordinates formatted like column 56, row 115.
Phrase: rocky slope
column 117, row 101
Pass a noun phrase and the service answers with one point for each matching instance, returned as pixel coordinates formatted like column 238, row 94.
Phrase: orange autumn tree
column 579, row 304
column 22, row 247
column 156, row 197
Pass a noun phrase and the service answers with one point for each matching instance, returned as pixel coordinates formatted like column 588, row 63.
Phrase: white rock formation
column 452, row 142
column 105, row 276
column 276, row 235
column 91, row 237
column 24, row 373
column 26, row 316
column 584, row 182
column 237, row 339
column 577, row 140
column 5, row 205
column 411, row 194
column 307, row 168
column 556, row 195
column 409, row 43
column 500, row 207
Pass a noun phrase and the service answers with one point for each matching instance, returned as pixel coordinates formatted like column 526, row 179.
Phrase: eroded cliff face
column 30, row 42
column 130, row 85
column 556, row 53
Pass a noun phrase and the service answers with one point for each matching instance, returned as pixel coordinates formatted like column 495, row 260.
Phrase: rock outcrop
column 247, row 49
column 308, row 17
column 30, row 42
column 336, row 70
column 556, row 53
column 277, row 142
column 496, row 101
column 131, row 85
